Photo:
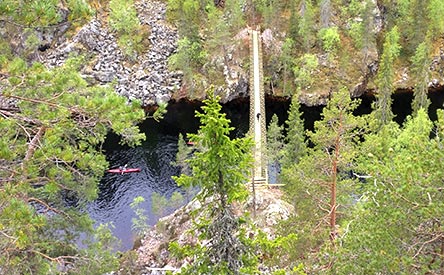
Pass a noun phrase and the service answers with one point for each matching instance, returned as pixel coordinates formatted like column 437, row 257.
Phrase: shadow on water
column 154, row 157
column 156, row 154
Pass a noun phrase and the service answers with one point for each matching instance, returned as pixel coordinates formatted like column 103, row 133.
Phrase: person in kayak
column 123, row 169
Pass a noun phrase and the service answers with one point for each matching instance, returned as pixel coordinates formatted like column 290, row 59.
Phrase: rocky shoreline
column 153, row 256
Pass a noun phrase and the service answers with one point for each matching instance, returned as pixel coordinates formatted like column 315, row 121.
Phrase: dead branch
column 59, row 259
column 33, row 144
column 48, row 208
column 427, row 242
column 8, row 236
column 33, row 100
column 7, row 114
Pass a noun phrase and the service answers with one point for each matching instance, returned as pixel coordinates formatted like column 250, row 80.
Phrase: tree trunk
column 334, row 179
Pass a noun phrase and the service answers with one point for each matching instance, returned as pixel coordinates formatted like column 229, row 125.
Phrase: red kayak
column 123, row 171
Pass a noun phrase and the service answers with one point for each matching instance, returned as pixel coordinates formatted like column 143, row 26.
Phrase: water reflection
column 154, row 158
column 117, row 191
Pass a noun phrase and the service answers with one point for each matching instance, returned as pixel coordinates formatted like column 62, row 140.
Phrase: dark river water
column 155, row 155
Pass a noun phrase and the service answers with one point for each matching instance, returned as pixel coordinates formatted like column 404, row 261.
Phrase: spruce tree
column 421, row 74
column 306, row 25
column 295, row 146
column 436, row 25
column 385, row 78
column 220, row 169
column 287, row 61
column 275, row 144
column 396, row 226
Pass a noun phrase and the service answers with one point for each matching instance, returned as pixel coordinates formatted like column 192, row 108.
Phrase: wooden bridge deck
column 257, row 110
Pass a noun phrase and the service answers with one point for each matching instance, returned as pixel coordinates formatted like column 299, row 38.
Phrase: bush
column 329, row 38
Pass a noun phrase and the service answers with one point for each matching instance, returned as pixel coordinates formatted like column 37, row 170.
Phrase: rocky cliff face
column 149, row 79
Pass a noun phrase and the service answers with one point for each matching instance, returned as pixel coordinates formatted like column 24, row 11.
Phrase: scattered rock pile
column 152, row 76
column 149, row 80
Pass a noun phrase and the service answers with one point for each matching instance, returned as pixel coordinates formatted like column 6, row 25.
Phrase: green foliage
column 160, row 205
column 421, row 73
column 306, row 30
column 436, row 25
column 330, row 39
column 234, row 14
column 270, row 11
column 336, row 137
column 277, row 251
column 123, row 19
column 45, row 12
column 275, row 140
column 188, row 15
column 79, row 10
column 295, row 146
column 160, row 111
column 42, row 13
column 288, row 62
column 123, row 16
column 396, row 227
column 99, row 258
column 217, row 33
column 318, row 184
column 183, row 152
column 190, row 55
column 220, row 168
column 140, row 224
column 176, row 200
column 303, row 71
column 385, row 78
column 218, row 155
column 50, row 152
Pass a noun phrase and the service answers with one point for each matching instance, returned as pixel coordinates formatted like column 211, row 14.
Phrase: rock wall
column 148, row 79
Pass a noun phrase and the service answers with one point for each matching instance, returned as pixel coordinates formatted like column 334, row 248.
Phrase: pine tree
column 319, row 185
column 397, row 225
column 51, row 162
column 336, row 136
